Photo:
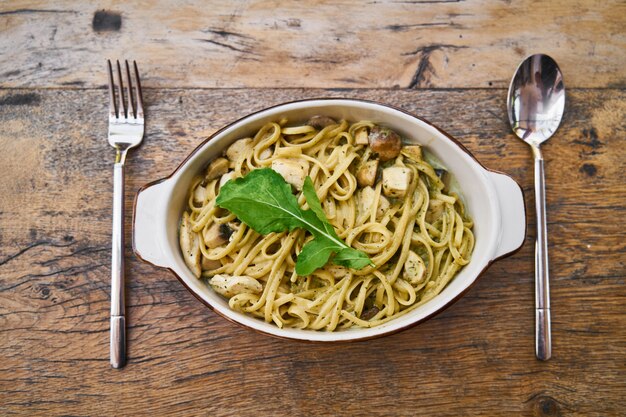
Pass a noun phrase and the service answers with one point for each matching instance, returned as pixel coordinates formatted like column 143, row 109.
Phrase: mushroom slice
column 369, row 313
column 320, row 122
column 366, row 174
column 209, row 264
column 396, row 181
column 414, row 268
column 444, row 176
column 190, row 245
column 229, row 286
column 217, row 168
column 385, row 142
column 294, row 171
column 361, row 136
column 217, row 234
column 413, row 152
column 239, row 149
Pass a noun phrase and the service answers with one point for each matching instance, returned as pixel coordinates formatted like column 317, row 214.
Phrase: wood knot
column 294, row 23
column 590, row 140
column 104, row 20
column 546, row 406
column 589, row 169
column 41, row 292
column 27, row 99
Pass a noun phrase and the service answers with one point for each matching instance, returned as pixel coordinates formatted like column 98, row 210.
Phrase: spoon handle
column 543, row 337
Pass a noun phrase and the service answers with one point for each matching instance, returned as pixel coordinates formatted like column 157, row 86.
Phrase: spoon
column 535, row 103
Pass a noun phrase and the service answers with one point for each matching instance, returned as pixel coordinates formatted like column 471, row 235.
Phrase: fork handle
column 118, row 321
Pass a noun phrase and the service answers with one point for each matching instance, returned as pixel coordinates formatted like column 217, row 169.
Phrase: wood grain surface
column 277, row 44
column 475, row 358
column 205, row 64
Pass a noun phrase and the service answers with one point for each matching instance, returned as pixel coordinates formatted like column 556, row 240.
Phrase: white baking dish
column 494, row 201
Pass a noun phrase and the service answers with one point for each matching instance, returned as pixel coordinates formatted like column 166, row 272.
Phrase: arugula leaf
column 311, row 198
column 314, row 254
column 346, row 256
column 352, row 258
column 263, row 200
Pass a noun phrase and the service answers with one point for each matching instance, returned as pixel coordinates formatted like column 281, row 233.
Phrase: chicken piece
column 396, row 181
column 385, row 142
column 294, row 171
column 239, row 149
column 217, row 234
column 190, row 245
column 383, row 206
column 199, row 194
column 225, row 178
column 413, row 152
column 414, row 268
column 435, row 210
column 366, row 175
column 216, row 169
column 361, row 136
column 320, row 122
column 366, row 199
column 229, row 286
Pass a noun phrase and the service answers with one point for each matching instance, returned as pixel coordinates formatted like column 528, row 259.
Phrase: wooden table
column 205, row 65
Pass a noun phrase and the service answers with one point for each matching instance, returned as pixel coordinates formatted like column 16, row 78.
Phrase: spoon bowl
column 536, row 102
column 536, row 99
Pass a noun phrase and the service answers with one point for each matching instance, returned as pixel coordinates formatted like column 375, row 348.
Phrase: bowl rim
column 347, row 340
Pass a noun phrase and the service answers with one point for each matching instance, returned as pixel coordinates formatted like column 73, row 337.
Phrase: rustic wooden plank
column 264, row 43
column 475, row 358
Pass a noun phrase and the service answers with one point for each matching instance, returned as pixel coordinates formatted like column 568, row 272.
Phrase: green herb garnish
column 263, row 200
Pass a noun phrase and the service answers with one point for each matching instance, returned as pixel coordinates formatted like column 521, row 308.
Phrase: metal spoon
column 536, row 102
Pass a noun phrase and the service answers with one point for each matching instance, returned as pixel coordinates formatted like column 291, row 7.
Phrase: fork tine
column 129, row 93
column 138, row 98
column 122, row 109
column 112, row 106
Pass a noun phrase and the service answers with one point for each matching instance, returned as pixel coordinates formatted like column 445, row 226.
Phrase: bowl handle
column 149, row 236
column 513, row 214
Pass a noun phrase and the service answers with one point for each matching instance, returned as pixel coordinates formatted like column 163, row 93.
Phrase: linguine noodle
column 418, row 237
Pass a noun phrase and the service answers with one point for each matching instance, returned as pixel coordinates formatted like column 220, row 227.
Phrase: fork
column 126, row 127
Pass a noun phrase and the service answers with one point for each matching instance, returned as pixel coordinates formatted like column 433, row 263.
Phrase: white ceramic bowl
column 494, row 201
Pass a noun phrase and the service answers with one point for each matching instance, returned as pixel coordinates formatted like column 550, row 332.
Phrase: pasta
column 382, row 197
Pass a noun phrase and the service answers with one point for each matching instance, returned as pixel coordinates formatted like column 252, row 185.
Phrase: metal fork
column 126, row 126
